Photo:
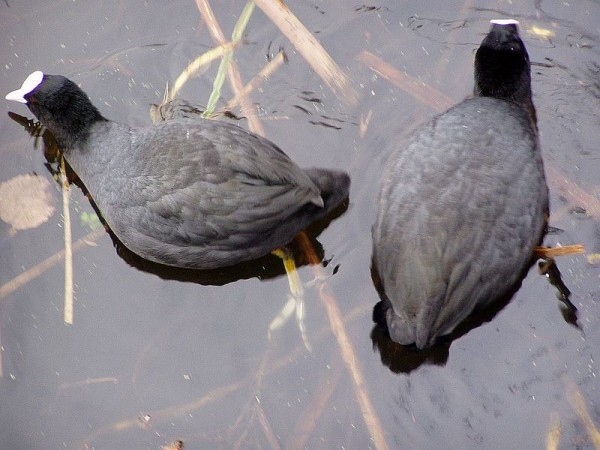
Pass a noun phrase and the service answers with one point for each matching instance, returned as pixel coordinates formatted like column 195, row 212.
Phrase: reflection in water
column 568, row 309
column 266, row 267
column 406, row 358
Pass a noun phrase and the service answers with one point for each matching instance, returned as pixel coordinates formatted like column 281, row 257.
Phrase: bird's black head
column 60, row 105
column 502, row 68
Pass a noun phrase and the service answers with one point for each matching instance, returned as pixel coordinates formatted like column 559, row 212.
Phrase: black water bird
column 190, row 193
column 463, row 204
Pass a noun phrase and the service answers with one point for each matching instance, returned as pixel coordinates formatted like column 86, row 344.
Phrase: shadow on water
column 568, row 310
column 266, row 267
column 406, row 358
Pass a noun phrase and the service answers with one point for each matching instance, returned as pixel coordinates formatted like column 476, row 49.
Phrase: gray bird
column 464, row 203
column 189, row 193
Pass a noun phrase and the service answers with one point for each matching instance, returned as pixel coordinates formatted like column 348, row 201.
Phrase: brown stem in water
column 347, row 349
column 235, row 78
column 308, row 46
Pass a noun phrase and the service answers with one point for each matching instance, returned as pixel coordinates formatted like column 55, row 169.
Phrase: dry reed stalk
column 555, row 432
column 552, row 252
column 316, row 407
column 412, row 86
column 312, row 51
column 577, row 401
column 165, row 414
column 265, row 73
column 267, row 428
column 353, row 365
column 68, row 307
column 87, row 382
column 349, row 356
column 193, row 67
column 442, row 65
column 235, row 78
column 364, row 123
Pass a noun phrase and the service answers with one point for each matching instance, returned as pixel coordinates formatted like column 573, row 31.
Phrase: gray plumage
column 463, row 204
column 186, row 192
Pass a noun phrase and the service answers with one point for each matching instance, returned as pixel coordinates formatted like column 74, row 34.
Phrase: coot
column 189, row 193
column 463, row 204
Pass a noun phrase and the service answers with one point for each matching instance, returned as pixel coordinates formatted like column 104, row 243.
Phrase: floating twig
column 552, row 252
column 265, row 73
column 312, row 51
column 236, row 36
column 267, row 428
column 349, row 356
column 235, row 78
column 68, row 308
column 87, row 382
column 192, row 69
column 364, row 123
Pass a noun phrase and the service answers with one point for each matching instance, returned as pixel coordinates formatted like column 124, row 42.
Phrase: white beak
column 30, row 83
column 504, row 21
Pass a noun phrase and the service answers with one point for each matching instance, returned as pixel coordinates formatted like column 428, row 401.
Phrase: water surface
column 152, row 359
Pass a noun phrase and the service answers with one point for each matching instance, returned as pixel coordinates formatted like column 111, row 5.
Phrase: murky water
column 154, row 357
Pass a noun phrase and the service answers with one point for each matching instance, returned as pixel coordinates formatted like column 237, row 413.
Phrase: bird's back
column 200, row 193
column 466, row 191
